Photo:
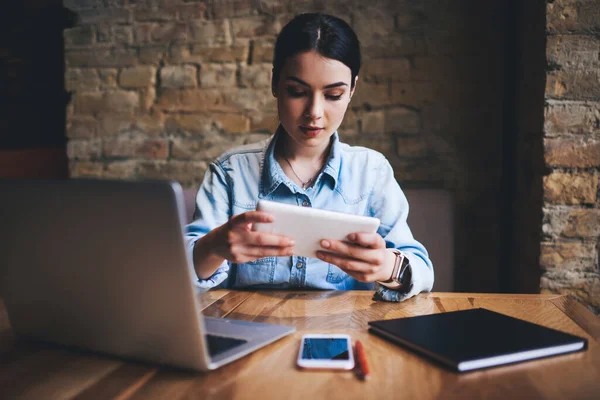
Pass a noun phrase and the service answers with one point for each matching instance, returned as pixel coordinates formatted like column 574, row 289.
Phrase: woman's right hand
column 236, row 242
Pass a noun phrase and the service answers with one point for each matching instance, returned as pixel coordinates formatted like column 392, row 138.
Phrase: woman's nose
column 314, row 108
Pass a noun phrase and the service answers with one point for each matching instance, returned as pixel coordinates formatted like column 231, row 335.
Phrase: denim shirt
column 354, row 180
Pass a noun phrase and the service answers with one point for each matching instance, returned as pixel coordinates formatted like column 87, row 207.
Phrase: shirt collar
column 272, row 175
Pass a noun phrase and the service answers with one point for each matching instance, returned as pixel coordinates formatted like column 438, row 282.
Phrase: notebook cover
column 466, row 340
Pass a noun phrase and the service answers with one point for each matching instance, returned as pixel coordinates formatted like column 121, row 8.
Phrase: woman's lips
column 310, row 131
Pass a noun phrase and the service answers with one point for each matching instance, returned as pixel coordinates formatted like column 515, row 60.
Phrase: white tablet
column 308, row 226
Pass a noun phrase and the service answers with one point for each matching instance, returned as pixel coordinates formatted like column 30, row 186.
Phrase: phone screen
column 325, row 349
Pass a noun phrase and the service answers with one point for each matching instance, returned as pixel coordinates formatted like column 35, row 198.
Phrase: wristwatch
column 399, row 272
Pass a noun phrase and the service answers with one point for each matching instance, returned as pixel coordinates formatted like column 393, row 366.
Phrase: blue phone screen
column 325, row 349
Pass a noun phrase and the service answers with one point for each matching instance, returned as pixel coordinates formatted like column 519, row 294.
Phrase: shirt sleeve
column 389, row 204
column 211, row 211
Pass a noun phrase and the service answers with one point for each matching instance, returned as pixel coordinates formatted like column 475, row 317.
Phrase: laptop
column 101, row 265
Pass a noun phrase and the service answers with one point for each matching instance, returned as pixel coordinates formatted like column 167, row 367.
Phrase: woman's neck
column 293, row 151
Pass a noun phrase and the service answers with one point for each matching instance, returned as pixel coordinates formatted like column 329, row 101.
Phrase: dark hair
column 329, row 36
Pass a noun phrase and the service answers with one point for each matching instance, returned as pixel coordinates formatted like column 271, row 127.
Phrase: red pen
column 361, row 359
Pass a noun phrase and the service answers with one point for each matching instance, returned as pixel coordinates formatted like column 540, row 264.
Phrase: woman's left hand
column 362, row 256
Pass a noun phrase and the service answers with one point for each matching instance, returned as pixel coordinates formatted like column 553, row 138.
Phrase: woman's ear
column 273, row 85
column 354, row 87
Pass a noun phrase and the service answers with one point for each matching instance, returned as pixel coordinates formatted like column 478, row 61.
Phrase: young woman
column 315, row 73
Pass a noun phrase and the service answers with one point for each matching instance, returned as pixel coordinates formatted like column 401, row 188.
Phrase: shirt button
column 299, row 265
column 305, row 204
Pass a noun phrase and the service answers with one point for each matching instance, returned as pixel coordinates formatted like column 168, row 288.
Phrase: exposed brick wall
column 161, row 87
column 571, row 227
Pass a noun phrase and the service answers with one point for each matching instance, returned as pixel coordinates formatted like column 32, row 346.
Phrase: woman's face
column 313, row 94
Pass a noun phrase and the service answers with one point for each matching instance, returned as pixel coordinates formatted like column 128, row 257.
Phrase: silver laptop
column 101, row 265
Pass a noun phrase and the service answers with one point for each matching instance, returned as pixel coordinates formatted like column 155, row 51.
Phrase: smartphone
column 326, row 351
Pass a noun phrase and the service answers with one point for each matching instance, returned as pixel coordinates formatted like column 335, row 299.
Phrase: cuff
column 218, row 277
column 404, row 292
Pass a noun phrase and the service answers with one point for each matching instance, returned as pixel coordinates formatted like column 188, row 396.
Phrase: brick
column 411, row 146
column 204, row 148
column 373, row 24
column 232, row 123
column 161, row 13
column 228, row 9
column 218, row 75
column 147, row 98
column 386, row 69
column 142, row 33
column 372, row 122
column 402, row 120
column 414, row 94
column 179, row 76
column 380, row 143
column 83, row 79
column 137, row 77
column 585, row 286
column 88, row 102
column 264, row 122
column 104, row 16
column 576, row 85
column 235, row 53
column 85, row 169
column 256, row 75
column 81, row 127
column 432, row 68
column 84, row 149
column 152, row 54
column 577, row 118
column 120, row 169
column 191, row 11
column 190, row 100
column 573, row 52
column 101, row 58
column 123, row 35
column 211, row 33
column 117, row 123
column 349, row 126
column 187, row 173
column 569, row 256
column 238, row 99
column 570, row 188
column 262, row 50
column 560, row 221
column 104, row 35
column 572, row 152
column 169, row 32
column 78, row 36
column 137, row 147
column 563, row 16
column 108, row 77
column 371, row 95
column 189, row 125
column 252, row 27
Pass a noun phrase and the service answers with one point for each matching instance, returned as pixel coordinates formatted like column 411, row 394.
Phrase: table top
column 36, row 370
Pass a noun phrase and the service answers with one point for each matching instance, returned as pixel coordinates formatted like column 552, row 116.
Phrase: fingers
column 367, row 239
column 357, row 269
column 250, row 217
column 352, row 251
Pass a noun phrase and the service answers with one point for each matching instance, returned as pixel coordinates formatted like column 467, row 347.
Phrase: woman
column 315, row 72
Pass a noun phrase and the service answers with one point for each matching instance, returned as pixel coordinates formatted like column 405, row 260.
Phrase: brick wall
column 571, row 226
column 161, row 87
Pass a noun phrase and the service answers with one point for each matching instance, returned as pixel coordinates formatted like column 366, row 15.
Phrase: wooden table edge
column 583, row 317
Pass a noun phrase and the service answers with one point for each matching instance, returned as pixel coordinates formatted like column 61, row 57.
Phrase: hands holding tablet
column 237, row 242
column 363, row 256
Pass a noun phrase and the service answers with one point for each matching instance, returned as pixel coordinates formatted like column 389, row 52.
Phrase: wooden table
column 39, row 371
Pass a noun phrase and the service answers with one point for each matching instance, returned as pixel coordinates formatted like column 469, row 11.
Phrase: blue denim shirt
column 354, row 180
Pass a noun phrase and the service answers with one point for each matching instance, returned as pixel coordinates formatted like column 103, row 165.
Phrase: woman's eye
column 295, row 93
column 333, row 97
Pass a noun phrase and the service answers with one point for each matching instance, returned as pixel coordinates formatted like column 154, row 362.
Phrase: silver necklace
column 304, row 183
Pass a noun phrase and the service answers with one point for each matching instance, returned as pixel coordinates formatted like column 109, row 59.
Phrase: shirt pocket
column 261, row 271
column 335, row 274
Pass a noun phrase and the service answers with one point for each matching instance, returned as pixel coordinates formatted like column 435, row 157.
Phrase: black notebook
column 473, row 339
